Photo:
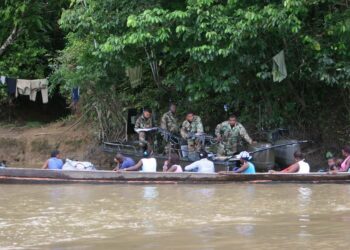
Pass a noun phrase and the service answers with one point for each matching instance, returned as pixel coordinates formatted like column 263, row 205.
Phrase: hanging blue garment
column 76, row 94
column 11, row 85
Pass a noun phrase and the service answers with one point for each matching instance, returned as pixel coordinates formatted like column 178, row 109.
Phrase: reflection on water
column 230, row 216
column 305, row 197
column 245, row 229
column 150, row 193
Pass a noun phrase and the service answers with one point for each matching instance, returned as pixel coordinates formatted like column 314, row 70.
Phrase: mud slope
column 30, row 147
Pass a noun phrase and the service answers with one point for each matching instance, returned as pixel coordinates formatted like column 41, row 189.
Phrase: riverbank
column 30, row 144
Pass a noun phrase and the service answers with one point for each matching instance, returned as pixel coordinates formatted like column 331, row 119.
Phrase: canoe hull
column 32, row 176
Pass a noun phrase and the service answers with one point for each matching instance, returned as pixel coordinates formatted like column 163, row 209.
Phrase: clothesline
column 26, row 87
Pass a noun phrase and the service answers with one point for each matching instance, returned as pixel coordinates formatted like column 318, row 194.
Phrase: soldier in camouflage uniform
column 170, row 124
column 144, row 121
column 169, row 120
column 228, row 133
column 192, row 125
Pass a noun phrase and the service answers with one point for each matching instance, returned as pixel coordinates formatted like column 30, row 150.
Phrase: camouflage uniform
column 169, row 122
column 230, row 137
column 143, row 122
column 194, row 127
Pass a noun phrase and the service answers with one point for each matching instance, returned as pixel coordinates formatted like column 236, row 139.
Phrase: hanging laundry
column 42, row 86
column 23, row 87
column 75, row 94
column 135, row 75
column 2, row 79
column 279, row 69
column 11, row 85
column 31, row 87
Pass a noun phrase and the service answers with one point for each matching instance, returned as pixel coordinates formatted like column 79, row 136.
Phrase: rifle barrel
column 277, row 146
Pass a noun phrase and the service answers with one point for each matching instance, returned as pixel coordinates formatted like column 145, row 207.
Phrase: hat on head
column 245, row 156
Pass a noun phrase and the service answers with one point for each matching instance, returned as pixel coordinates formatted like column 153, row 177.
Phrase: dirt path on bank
column 30, row 147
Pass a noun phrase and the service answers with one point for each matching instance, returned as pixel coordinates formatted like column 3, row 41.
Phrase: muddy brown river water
column 227, row 216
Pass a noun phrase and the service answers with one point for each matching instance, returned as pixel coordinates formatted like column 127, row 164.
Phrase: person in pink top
column 172, row 164
column 344, row 167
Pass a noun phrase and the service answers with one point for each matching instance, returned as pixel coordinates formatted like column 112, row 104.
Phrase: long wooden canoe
column 32, row 176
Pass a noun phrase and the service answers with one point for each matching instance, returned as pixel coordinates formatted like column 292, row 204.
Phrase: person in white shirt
column 203, row 165
column 300, row 166
column 147, row 164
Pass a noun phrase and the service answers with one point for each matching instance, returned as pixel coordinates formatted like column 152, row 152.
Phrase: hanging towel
column 135, row 75
column 23, row 87
column 2, row 79
column 11, row 85
column 39, row 85
column 279, row 69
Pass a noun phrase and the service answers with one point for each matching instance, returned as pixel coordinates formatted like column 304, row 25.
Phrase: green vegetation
column 200, row 53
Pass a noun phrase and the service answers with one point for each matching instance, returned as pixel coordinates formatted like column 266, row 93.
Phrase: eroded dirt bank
column 30, row 147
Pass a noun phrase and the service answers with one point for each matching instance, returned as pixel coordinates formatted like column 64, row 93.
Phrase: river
column 227, row 216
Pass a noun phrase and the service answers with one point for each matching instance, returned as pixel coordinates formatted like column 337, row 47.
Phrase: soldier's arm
column 163, row 122
column 137, row 124
column 200, row 126
column 150, row 125
column 183, row 131
column 244, row 134
column 218, row 130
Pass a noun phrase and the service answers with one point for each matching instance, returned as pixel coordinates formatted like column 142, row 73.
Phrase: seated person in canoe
column 300, row 166
column 334, row 163
column 123, row 162
column 55, row 161
column 345, row 165
column 203, row 165
column 172, row 164
column 147, row 164
column 247, row 167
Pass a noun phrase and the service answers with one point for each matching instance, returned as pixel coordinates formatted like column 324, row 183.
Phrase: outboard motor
column 264, row 160
column 284, row 156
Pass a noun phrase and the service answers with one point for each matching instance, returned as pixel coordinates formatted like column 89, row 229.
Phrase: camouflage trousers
column 170, row 148
column 171, row 145
column 193, row 145
column 145, row 140
column 226, row 149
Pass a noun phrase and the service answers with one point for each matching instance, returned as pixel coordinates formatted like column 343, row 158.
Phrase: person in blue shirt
column 123, row 162
column 247, row 167
column 55, row 162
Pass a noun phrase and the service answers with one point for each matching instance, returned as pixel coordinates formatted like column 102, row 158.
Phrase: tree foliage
column 201, row 53
column 36, row 36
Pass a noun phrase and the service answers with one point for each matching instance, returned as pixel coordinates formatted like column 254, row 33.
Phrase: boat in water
column 263, row 155
column 43, row 176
